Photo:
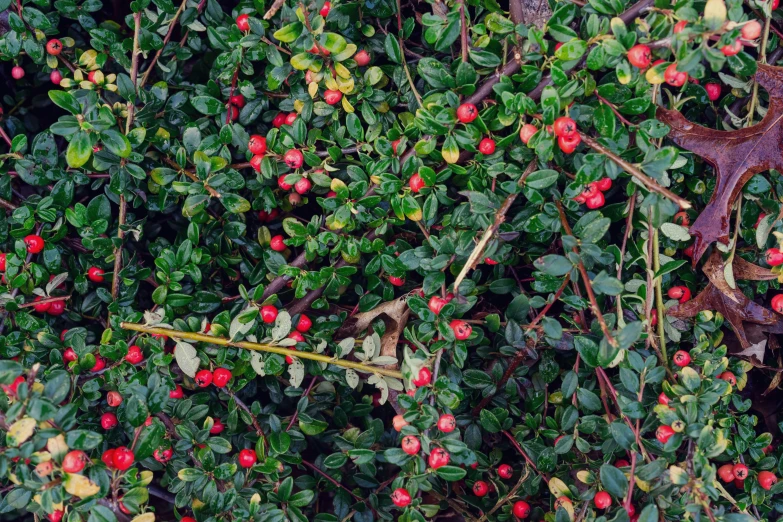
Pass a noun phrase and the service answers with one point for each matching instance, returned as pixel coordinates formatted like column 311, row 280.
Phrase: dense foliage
column 408, row 260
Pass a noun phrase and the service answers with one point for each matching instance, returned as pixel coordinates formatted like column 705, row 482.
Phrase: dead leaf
column 731, row 302
column 395, row 317
column 736, row 156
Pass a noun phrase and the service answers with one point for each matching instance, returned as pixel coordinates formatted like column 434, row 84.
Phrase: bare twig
column 637, row 174
column 166, row 39
column 258, row 347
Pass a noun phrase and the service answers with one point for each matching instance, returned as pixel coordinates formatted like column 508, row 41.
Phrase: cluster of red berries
column 593, row 195
column 461, row 329
column 568, row 137
column 118, row 458
column 737, row 473
column 219, row 377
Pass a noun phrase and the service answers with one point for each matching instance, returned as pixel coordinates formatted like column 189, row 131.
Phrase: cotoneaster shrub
column 375, row 260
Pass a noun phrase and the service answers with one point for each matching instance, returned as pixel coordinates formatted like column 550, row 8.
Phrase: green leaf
column 116, row 143
column 613, row 480
column 289, row 33
column 79, row 150
column 207, row 105
column 66, row 101
column 451, row 473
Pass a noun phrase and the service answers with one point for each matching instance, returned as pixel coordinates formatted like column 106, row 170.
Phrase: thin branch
column 258, row 347
column 332, row 480
column 166, row 39
column 637, row 174
column 586, row 280
column 500, row 217
column 522, row 452
column 212, row 192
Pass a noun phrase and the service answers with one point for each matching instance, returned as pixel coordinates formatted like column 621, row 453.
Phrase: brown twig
column 637, row 174
column 500, row 217
column 586, row 280
column 191, row 175
column 517, row 360
column 332, row 480
column 524, row 455
column 166, row 39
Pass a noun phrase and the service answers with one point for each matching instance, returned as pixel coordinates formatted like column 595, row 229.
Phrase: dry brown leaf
column 736, row 156
column 731, row 302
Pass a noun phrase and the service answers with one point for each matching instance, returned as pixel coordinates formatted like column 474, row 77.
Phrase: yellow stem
column 257, row 347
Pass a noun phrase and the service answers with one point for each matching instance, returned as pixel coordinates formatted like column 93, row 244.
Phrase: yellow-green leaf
column 80, row 486
column 20, row 431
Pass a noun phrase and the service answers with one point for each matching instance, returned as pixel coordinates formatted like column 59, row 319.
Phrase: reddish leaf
column 736, row 156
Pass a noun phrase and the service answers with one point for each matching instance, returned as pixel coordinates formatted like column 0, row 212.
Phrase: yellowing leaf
column 347, row 107
column 558, row 488
column 715, row 13
column 312, row 89
column 331, row 84
column 655, row 74
column 342, row 71
column 643, row 485
column 20, row 431
column 146, row 517
column 80, row 486
column 345, row 86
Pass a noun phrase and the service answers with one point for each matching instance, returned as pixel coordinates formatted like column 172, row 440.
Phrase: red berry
column 395, row 144
column 467, row 112
column 732, row 49
column 728, row 377
column 681, row 358
column 294, row 158
column 163, row 456
column 399, row 422
column 203, row 378
column 480, row 488
column 279, row 120
column 108, row 458
column 34, row 243
column 487, row 146
column 603, row 184
column 100, row 364
column 505, row 471
column 325, row 9
column 424, row 377
column 290, row 118
column 221, row 376
column 602, row 500
column 69, row 355
column 713, row 91
column 416, row 183
column 663, row 399
column 681, row 293
column 135, row 355
column 767, row 480
column 436, row 304
column 75, row 461
column 217, row 427
column 296, row 336
column 640, row 56
column 268, row 314
column 303, row 186
column 461, row 329
column 621, row 463
column 277, row 244
column 411, row 444
column 237, row 100
column 526, row 132
column 282, row 183
column 95, row 274
column 55, row 46
column 332, row 97
column 774, row 5
column 255, row 162
column 10, row 389
column 447, row 423
column 777, row 303
column 396, row 281
column 565, row 127
column 243, row 22
column 247, row 458
column 113, row 399
column 17, row 73
column 674, row 77
column 681, row 218
column 304, row 324
column 56, row 308
column 740, row 471
column 521, row 509
column 664, row 433
column 569, row 144
column 401, row 498
column 679, row 26
column 2, row 262
column 56, row 515
column 43, row 307
column 256, row 144
column 597, row 200
column 177, row 392
column 55, row 77
column 233, row 113
column 773, row 257
column 726, row 473
column 439, row 457
column 362, row 58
